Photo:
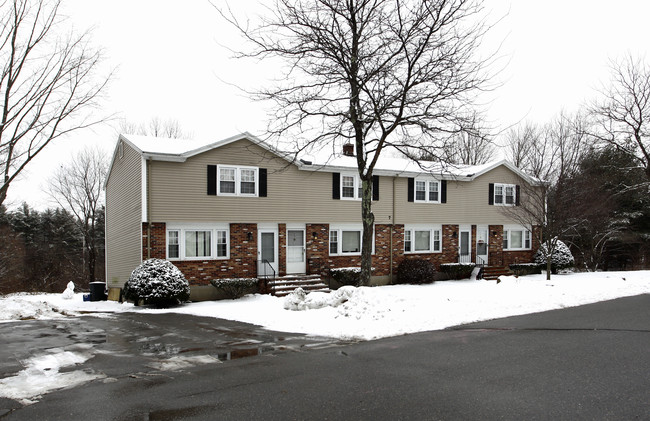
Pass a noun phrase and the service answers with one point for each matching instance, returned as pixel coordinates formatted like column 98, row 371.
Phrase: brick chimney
column 348, row 149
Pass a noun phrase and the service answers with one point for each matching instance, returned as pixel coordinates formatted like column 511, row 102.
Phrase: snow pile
column 68, row 294
column 42, row 375
column 19, row 307
column 298, row 300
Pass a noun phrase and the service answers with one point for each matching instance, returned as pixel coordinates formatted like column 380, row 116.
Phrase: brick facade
column 243, row 251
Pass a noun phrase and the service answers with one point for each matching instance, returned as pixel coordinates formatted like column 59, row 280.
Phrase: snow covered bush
column 560, row 259
column 346, row 276
column 457, row 270
column 235, row 287
column 415, row 271
column 157, row 282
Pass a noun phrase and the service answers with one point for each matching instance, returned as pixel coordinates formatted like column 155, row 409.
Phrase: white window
column 196, row 243
column 173, row 248
column 516, row 238
column 351, row 187
column 346, row 240
column 505, row 194
column 237, row 181
column 420, row 239
column 348, row 187
column 427, row 191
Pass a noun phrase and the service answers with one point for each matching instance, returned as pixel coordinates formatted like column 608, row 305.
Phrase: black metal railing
column 267, row 273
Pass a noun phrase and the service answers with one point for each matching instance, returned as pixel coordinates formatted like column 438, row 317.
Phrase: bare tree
column 551, row 154
column 375, row 73
column 622, row 117
column 473, row 146
column 156, row 127
column 77, row 187
column 47, row 83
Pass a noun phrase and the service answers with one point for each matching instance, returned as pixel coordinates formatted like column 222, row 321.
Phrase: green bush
column 157, row 282
column 457, row 270
column 415, row 271
column 522, row 269
column 235, row 287
column 346, row 276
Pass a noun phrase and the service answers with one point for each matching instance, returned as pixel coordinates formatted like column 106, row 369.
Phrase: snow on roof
column 180, row 149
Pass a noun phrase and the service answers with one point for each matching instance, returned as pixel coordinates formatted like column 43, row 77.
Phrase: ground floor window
column 345, row 240
column 516, row 238
column 421, row 239
column 194, row 243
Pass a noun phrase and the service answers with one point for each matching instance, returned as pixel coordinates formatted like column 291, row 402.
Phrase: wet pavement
column 135, row 345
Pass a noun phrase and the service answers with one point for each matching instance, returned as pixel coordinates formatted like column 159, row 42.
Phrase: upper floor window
column 238, row 181
column 427, row 191
column 351, row 187
column 505, row 194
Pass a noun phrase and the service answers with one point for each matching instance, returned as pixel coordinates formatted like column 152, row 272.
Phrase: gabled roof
column 178, row 150
column 405, row 167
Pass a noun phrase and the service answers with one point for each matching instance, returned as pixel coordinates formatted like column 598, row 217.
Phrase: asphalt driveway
column 588, row 362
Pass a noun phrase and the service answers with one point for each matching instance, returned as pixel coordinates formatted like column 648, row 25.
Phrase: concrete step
column 287, row 284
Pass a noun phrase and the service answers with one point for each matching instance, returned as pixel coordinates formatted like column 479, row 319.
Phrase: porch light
column 249, row 236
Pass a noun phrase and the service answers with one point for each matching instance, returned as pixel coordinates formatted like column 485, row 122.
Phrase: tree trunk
column 368, row 230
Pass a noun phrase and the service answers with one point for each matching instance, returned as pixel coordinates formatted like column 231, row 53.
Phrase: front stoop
column 286, row 284
column 491, row 273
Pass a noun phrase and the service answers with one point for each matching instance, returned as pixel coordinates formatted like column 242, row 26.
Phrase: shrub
column 560, row 259
column 346, row 276
column 522, row 269
column 415, row 271
column 157, row 282
column 457, row 270
column 235, row 287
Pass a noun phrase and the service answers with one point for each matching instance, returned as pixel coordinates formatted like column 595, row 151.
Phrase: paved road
column 589, row 362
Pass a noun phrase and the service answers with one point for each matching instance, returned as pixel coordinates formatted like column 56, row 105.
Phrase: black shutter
column 491, row 190
column 336, row 185
column 212, row 180
column 375, row 187
column 411, row 189
column 443, row 191
column 518, row 193
column 263, row 183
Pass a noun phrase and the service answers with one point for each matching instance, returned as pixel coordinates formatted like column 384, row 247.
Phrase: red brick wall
column 241, row 264
column 243, row 252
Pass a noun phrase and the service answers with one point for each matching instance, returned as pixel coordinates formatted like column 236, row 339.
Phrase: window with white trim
column 346, row 240
column 505, row 194
column 237, row 181
column 196, row 243
column 422, row 240
column 516, row 238
column 427, row 191
column 351, row 187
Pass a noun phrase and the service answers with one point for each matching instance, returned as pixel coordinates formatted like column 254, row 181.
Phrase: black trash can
column 97, row 291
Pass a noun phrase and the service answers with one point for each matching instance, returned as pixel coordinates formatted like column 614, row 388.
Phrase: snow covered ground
column 370, row 312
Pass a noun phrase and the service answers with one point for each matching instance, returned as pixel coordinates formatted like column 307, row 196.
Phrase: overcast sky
column 171, row 64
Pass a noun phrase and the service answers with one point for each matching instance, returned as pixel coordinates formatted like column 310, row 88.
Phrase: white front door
column 465, row 245
column 482, row 243
column 296, row 251
column 267, row 252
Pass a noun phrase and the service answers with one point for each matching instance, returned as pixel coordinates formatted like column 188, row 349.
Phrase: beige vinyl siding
column 178, row 192
column 123, row 217
column 467, row 202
